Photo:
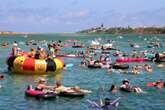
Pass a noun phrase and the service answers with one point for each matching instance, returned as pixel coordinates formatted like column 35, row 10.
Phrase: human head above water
column 112, row 87
column 125, row 81
column 1, row 77
column 58, row 83
column 42, row 80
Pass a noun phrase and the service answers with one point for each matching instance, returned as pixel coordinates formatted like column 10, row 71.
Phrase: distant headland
column 124, row 30
column 101, row 30
column 16, row 33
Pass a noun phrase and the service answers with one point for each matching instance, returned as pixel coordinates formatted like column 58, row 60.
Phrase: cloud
column 147, row 18
column 41, row 18
column 143, row 18
column 77, row 14
column 27, row 15
column 74, row 2
column 45, row 16
column 21, row 18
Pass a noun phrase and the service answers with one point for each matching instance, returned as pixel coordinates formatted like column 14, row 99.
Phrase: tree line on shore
column 125, row 30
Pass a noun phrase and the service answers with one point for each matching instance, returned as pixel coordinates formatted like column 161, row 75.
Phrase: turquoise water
column 12, row 93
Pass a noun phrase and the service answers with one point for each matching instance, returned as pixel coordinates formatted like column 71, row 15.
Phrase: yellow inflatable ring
column 26, row 65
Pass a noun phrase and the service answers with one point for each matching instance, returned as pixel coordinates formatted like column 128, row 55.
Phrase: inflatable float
column 71, row 94
column 105, row 52
column 154, row 84
column 69, row 56
column 120, row 66
column 108, row 104
column 109, row 48
column 129, row 60
column 94, row 66
column 26, row 65
column 39, row 94
column 126, row 89
column 132, row 89
column 159, row 60
column 77, row 46
column 159, row 57
column 149, row 55
column 71, row 91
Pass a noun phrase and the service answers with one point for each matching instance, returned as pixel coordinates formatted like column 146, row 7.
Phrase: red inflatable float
column 129, row 60
column 39, row 94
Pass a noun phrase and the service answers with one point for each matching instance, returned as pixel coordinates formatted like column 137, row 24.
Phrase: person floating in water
column 148, row 68
column 41, row 86
column 113, row 89
column 2, row 77
column 159, row 84
column 60, row 88
column 126, row 87
column 135, row 70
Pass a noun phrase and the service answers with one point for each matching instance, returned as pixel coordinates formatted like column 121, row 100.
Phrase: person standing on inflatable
column 14, row 48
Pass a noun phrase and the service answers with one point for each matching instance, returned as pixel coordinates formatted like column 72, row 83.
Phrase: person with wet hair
column 127, row 88
column 113, row 89
column 148, row 68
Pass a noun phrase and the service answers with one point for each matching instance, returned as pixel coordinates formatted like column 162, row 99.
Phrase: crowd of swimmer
column 104, row 59
column 37, row 53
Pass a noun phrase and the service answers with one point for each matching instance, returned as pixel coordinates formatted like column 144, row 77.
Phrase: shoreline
column 80, row 34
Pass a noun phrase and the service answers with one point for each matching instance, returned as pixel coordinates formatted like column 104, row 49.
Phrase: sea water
column 12, row 95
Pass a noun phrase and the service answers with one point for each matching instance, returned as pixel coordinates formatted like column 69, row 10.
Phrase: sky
column 76, row 15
